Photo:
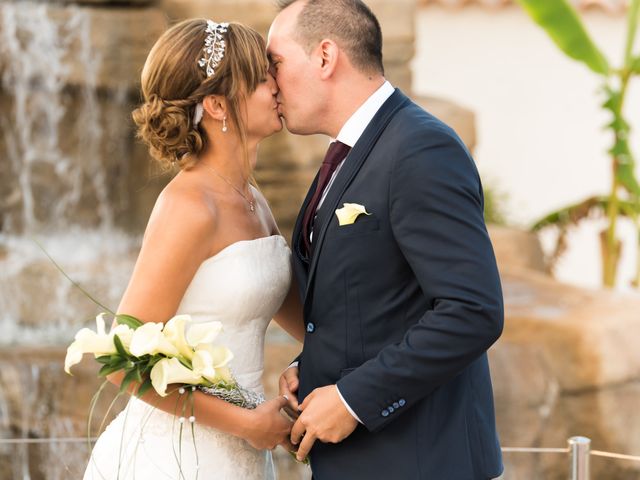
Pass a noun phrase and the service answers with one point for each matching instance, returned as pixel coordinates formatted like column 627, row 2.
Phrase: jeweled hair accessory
column 214, row 47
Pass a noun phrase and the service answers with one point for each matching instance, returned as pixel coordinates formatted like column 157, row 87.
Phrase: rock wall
column 566, row 365
column 69, row 82
column 103, row 46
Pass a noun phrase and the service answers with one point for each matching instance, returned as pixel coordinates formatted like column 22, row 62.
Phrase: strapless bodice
column 242, row 286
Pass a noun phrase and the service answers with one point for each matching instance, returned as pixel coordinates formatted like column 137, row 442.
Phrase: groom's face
column 299, row 98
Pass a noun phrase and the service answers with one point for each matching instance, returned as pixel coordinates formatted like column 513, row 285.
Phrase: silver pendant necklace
column 252, row 206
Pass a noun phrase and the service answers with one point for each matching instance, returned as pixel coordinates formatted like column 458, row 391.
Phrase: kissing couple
column 390, row 280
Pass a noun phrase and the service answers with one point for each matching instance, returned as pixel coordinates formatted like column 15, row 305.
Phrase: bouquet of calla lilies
column 157, row 355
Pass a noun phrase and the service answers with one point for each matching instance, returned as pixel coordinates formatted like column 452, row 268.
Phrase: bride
column 212, row 250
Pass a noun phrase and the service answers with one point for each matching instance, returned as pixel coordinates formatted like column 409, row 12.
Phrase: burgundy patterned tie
column 335, row 154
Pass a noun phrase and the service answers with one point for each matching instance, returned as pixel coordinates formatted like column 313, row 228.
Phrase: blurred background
column 553, row 138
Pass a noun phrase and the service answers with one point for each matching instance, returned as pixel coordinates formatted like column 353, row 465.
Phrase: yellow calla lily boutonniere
column 349, row 212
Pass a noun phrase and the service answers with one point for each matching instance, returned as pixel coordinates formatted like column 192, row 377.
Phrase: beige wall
column 537, row 114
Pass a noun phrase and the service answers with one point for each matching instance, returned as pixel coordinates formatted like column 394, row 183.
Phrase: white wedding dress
column 242, row 286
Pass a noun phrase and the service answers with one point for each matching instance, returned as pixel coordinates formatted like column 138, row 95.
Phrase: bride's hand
column 267, row 427
column 288, row 384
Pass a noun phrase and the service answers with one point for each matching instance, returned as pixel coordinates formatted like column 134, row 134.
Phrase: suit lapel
column 354, row 161
column 296, row 241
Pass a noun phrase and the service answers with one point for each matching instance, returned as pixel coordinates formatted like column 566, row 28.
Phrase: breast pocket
column 363, row 224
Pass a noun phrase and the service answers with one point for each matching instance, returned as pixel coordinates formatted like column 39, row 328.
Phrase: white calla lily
column 88, row 341
column 220, row 355
column 203, row 365
column 208, row 359
column 73, row 357
column 223, row 374
column 349, row 213
column 149, row 340
column 124, row 333
column 170, row 370
column 91, row 342
column 203, row 333
column 100, row 325
column 174, row 331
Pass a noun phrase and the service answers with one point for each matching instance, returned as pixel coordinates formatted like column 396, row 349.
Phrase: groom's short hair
column 350, row 23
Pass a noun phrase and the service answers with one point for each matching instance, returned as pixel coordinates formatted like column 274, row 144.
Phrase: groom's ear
column 328, row 54
column 215, row 106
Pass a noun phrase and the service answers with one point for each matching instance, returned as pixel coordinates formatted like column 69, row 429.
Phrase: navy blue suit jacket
column 402, row 305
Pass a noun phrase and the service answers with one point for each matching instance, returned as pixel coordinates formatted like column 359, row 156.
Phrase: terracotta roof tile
column 609, row 6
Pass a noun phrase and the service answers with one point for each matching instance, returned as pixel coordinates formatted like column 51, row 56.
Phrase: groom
column 396, row 271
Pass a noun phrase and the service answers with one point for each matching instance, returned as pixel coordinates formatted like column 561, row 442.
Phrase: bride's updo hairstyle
column 173, row 83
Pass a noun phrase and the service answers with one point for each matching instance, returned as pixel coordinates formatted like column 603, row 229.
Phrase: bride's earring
column 224, row 125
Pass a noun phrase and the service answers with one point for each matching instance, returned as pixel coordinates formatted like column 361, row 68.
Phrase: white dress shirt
column 354, row 127
column 349, row 135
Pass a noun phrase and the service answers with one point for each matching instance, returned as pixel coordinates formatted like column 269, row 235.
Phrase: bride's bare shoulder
column 183, row 205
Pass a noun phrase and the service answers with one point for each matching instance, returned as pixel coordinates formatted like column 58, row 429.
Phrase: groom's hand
column 324, row 417
column 289, row 388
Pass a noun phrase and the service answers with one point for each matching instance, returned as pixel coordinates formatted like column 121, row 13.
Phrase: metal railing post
column 579, row 449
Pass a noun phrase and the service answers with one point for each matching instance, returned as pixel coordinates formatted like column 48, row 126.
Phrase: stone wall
column 566, row 365
column 117, row 40
column 70, row 81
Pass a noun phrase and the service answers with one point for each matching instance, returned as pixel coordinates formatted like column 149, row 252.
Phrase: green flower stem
column 193, row 433
column 124, row 425
column 92, row 406
column 74, row 283
column 175, row 454
column 106, row 415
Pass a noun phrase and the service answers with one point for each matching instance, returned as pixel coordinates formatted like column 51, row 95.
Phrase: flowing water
column 54, row 176
column 54, row 188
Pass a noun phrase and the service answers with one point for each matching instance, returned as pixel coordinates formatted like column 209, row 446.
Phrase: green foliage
column 494, row 206
column 144, row 388
column 563, row 25
column 128, row 320
column 120, row 347
column 592, row 207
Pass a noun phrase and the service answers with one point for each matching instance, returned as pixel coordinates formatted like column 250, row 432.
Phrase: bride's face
column 262, row 110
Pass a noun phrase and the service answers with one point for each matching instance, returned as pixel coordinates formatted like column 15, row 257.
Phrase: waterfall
column 55, row 184
column 66, row 155
column 37, row 76
column 28, row 394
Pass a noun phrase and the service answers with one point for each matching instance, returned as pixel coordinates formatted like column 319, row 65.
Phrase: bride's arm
column 181, row 234
column 263, row 428
column 289, row 317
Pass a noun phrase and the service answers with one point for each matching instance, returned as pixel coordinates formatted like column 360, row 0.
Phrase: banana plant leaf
column 591, row 207
column 562, row 24
column 626, row 176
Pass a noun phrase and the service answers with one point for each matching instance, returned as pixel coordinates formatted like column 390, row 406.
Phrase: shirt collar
column 353, row 128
